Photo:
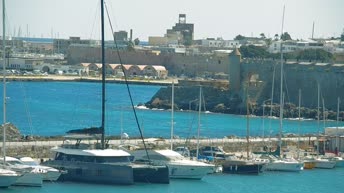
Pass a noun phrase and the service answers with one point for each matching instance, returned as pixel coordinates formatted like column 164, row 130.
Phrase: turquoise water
column 52, row 108
column 308, row 181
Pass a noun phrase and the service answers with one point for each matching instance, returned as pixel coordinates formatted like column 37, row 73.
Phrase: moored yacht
column 286, row 165
column 30, row 176
column 179, row 166
column 322, row 163
column 52, row 174
column 8, row 177
column 233, row 165
column 87, row 163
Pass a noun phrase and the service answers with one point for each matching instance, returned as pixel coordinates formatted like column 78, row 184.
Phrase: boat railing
column 79, row 146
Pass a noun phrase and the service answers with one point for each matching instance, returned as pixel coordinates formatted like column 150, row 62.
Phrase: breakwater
column 41, row 149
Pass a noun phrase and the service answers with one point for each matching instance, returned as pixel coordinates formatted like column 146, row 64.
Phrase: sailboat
column 234, row 165
column 180, row 167
column 277, row 163
column 96, row 162
column 8, row 176
column 320, row 162
column 307, row 164
column 339, row 160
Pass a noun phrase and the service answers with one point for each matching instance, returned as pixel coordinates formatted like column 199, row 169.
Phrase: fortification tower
column 234, row 70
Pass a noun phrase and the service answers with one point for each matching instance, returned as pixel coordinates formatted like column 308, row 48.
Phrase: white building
column 333, row 46
column 17, row 64
column 220, row 43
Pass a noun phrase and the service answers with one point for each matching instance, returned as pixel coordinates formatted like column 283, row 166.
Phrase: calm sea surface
column 52, row 108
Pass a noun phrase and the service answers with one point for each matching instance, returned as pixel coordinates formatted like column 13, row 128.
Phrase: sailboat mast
column 298, row 139
column 199, row 118
column 281, row 87
column 247, row 126
column 318, row 121
column 103, row 74
column 172, row 115
column 337, row 137
column 4, row 79
column 324, row 121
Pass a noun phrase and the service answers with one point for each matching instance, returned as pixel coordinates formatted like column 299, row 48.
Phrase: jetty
column 41, row 148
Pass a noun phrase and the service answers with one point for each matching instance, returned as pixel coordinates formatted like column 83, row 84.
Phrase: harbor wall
column 41, row 149
column 259, row 72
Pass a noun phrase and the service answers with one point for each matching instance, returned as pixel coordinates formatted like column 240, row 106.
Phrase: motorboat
column 281, row 164
column 234, row 165
column 30, row 176
column 8, row 177
column 179, row 166
column 52, row 174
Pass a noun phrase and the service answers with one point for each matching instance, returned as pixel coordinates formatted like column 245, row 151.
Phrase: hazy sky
column 215, row 18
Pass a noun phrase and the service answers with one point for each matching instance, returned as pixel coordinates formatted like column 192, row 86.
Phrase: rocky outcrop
column 219, row 100
column 187, row 98
column 12, row 132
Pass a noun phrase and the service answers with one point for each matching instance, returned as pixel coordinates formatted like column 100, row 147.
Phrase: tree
column 314, row 55
column 239, row 37
column 342, row 37
column 262, row 35
column 285, row 36
column 276, row 37
column 136, row 41
column 268, row 41
column 252, row 51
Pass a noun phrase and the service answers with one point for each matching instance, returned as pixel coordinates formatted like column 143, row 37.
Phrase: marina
column 89, row 115
column 51, row 95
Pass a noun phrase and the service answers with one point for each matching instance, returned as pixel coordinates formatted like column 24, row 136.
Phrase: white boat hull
column 189, row 171
column 30, row 179
column 325, row 164
column 7, row 179
column 284, row 166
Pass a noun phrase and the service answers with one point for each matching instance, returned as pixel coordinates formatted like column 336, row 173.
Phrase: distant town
column 177, row 54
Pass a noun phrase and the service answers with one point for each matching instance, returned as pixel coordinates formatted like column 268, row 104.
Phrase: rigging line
column 205, row 114
column 286, row 86
column 126, row 82
column 95, row 19
column 272, row 98
column 114, row 17
column 28, row 114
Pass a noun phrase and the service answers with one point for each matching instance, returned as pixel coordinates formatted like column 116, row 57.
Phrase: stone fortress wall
column 298, row 75
column 303, row 75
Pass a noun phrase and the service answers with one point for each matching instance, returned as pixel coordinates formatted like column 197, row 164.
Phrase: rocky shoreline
column 219, row 100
